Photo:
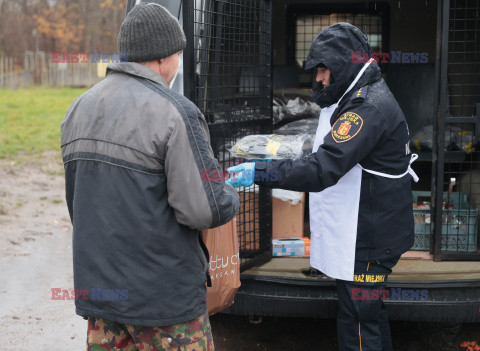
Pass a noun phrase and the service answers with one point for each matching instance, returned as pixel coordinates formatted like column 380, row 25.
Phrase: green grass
column 30, row 119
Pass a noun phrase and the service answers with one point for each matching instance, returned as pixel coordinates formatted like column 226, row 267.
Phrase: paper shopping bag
column 222, row 244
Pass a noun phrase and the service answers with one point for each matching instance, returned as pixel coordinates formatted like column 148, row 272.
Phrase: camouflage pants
column 195, row 335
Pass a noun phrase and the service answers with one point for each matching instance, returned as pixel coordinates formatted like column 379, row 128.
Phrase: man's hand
column 242, row 174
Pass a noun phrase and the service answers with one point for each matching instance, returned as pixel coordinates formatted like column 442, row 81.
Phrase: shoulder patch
column 360, row 94
column 346, row 127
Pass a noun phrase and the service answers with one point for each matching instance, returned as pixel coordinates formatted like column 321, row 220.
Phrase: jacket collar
column 138, row 70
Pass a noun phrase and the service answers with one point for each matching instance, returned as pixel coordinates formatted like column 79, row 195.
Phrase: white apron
column 334, row 211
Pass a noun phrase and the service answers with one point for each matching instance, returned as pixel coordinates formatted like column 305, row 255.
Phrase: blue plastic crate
column 459, row 225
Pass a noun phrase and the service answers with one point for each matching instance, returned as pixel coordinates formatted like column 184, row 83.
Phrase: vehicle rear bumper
column 434, row 301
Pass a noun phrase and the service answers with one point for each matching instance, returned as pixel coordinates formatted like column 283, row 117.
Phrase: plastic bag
column 273, row 146
column 287, row 195
column 303, row 126
column 423, row 139
column 456, row 138
column 292, row 104
column 222, row 244
column 463, row 140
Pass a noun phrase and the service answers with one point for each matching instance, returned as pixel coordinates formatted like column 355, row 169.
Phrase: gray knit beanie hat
column 150, row 32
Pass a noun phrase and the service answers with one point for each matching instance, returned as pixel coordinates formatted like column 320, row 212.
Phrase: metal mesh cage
column 228, row 76
column 459, row 129
column 308, row 25
column 305, row 21
column 464, row 57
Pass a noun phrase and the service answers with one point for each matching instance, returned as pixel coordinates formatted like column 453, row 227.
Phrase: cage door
column 228, row 75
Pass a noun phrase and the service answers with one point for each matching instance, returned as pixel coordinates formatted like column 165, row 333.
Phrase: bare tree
column 59, row 25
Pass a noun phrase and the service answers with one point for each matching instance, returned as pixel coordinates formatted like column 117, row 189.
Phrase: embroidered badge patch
column 369, row 278
column 346, row 127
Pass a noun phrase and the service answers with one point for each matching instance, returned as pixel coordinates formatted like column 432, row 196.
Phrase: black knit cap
column 150, row 32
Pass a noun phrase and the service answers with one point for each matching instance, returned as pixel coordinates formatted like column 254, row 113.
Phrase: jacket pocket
column 204, row 252
column 193, row 335
column 199, row 259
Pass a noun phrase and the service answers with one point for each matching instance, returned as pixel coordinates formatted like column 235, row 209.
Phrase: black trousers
column 362, row 322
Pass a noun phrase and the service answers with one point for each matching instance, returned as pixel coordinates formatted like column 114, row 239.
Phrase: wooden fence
column 38, row 69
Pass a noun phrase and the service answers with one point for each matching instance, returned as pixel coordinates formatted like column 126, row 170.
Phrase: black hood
column 333, row 47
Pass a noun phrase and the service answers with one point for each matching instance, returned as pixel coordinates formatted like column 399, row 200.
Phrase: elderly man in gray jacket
column 134, row 152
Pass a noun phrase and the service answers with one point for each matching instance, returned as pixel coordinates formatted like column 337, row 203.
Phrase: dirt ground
column 35, row 256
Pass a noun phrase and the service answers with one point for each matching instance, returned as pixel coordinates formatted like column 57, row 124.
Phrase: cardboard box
column 291, row 247
column 288, row 219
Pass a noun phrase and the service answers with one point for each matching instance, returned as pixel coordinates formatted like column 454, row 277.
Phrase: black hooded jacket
column 368, row 128
column 333, row 47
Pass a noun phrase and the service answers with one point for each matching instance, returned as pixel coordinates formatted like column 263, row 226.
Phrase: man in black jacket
column 359, row 179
